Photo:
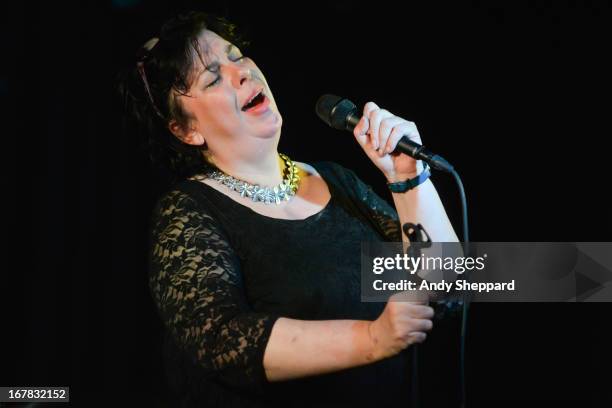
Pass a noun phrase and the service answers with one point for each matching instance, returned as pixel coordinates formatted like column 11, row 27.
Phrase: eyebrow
column 213, row 67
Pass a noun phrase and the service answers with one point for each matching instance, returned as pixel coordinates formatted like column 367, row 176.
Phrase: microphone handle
column 408, row 147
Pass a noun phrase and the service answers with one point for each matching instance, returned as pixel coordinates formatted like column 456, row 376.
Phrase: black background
column 516, row 96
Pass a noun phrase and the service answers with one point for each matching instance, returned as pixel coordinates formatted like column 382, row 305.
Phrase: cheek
column 217, row 112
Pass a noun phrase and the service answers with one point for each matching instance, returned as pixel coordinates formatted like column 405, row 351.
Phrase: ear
column 189, row 136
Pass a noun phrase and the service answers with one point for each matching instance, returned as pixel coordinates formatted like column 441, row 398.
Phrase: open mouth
column 254, row 102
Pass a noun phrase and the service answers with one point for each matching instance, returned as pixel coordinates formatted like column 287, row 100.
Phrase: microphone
column 340, row 113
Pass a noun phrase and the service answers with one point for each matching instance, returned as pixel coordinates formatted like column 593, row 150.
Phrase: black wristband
column 403, row 186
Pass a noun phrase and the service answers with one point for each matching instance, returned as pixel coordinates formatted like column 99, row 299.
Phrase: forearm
column 422, row 205
column 300, row 348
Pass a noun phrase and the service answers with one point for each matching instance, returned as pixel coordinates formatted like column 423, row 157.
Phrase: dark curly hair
column 148, row 89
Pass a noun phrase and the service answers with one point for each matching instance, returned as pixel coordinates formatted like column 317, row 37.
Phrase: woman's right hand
column 399, row 325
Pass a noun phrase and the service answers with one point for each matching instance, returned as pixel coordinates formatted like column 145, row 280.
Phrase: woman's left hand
column 378, row 133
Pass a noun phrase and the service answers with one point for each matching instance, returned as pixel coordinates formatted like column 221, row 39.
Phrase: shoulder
column 339, row 175
column 342, row 179
column 328, row 169
column 323, row 165
column 174, row 197
column 181, row 211
column 182, row 198
column 314, row 169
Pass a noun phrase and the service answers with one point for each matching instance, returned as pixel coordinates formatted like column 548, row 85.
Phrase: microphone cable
column 466, row 300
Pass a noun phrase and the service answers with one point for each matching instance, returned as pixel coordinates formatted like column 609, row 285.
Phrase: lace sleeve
column 196, row 284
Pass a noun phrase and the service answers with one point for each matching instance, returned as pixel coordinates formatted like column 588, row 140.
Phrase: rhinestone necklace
column 282, row 192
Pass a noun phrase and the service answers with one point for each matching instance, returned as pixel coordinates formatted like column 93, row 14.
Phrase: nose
column 241, row 75
column 244, row 75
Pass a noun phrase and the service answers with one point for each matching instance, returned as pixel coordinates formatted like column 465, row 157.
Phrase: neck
column 264, row 168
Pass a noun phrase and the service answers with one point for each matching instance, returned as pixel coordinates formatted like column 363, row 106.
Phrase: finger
column 400, row 130
column 376, row 117
column 422, row 325
column 386, row 127
column 368, row 108
column 418, row 337
column 410, row 297
column 422, row 312
column 361, row 130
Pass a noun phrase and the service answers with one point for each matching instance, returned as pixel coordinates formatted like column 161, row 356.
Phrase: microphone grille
column 334, row 110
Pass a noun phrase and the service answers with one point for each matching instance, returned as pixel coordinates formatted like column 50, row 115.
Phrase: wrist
column 394, row 177
column 375, row 353
column 401, row 184
column 397, row 177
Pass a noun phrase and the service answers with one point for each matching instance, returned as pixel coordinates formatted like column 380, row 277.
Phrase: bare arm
column 422, row 205
column 299, row 348
column 378, row 133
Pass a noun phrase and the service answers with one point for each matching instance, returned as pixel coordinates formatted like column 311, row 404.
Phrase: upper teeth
column 254, row 96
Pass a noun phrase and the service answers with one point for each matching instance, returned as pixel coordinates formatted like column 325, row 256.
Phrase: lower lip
column 261, row 108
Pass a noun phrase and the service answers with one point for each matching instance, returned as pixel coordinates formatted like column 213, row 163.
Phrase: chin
column 275, row 128
column 268, row 129
column 271, row 135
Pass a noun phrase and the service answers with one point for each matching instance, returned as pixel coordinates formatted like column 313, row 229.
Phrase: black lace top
column 221, row 274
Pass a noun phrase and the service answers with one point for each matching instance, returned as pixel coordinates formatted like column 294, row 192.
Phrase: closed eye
column 216, row 81
column 218, row 78
column 236, row 59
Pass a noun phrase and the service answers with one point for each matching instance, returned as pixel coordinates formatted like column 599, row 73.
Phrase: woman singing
column 255, row 257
